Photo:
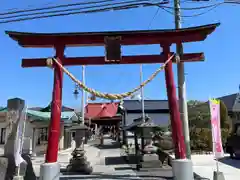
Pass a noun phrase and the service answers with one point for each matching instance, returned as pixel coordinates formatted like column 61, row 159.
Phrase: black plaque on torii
column 112, row 49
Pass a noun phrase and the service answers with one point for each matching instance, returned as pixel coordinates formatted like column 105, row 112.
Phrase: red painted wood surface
column 100, row 60
column 176, row 123
column 54, row 127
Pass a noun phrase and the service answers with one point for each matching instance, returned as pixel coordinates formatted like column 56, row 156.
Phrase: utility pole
column 142, row 92
column 142, row 103
column 181, row 83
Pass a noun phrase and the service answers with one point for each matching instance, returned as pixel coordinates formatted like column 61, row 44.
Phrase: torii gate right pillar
column 176, row 124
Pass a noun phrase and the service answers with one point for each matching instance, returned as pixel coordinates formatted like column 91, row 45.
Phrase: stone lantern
column 149, row 156
column 78, row 162
column 146, row 157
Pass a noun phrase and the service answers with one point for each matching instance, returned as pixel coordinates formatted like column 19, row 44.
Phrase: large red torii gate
column 61, row 40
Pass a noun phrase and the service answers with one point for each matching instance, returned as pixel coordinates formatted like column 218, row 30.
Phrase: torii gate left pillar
column 163, row 37
column 51, row 168
column 56, row 108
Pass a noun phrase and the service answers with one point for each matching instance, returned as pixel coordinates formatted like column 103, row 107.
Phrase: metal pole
column 142, row 92
column 83, row 95
column 143, row 108
column 83, row 105
column 86, row 103
column 181, row 84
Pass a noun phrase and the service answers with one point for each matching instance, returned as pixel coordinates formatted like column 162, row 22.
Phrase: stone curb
column 65, row 150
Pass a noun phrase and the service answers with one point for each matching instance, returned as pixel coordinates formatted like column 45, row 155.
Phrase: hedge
column 201, row 138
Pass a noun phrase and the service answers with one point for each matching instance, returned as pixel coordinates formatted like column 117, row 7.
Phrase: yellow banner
column 215, row 101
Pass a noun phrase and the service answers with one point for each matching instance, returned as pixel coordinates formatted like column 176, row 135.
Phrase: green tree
column 193, row 103
column 225, row 120
column 200, row 125
column 199, row 115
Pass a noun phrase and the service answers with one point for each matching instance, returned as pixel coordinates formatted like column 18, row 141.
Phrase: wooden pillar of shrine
column 56, row 108
column 177, row 134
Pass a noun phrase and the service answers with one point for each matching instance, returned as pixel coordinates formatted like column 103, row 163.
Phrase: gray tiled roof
column 229, row 100
column 148, row 104
column 36, row 108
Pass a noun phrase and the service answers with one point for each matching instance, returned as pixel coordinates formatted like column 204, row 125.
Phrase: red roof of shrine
column 101, row 110
column 191, row 34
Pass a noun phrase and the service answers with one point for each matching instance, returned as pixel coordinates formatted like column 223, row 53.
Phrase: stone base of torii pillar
column 50, row 171
column 182, row 169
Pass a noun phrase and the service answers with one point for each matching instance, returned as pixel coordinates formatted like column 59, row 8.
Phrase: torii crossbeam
column 165, row 38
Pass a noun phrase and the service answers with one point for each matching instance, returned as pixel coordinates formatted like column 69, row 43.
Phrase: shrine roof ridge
column 136, row 37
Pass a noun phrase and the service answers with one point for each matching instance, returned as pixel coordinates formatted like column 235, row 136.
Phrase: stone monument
column 78, row 162
column 8, row 169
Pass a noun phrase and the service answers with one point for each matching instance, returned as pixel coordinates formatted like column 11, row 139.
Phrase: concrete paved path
column 105, row 161
column 204, row 165
column 110, row 158
column 106, row 165
column 92, row 154
column 112, row 164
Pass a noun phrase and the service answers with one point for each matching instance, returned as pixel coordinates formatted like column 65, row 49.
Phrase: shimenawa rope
column 107, row 95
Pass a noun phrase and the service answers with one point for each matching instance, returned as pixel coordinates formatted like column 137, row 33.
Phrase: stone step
column 151, row 164
column 100, row 176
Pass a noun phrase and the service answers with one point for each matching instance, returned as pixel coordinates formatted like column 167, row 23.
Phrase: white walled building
column 36, row 130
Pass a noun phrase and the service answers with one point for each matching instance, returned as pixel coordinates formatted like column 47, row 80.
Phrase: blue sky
column 217, row 76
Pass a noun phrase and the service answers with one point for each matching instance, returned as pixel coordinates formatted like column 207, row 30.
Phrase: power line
column 232, row 1
column 154, row 16
column 71, row 5
column 213, row 6
column 89, row 7
column 195, row 8
column 199, row 14
column 54, row 7
column 73, row 9
column 81, row 12
column 193, row 15
column 98, row 8
column 30, row 6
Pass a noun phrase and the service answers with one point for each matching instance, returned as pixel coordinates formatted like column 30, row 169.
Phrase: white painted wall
column 27, row 140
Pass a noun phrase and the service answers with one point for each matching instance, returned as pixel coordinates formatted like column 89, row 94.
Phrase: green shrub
column 201, row 138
